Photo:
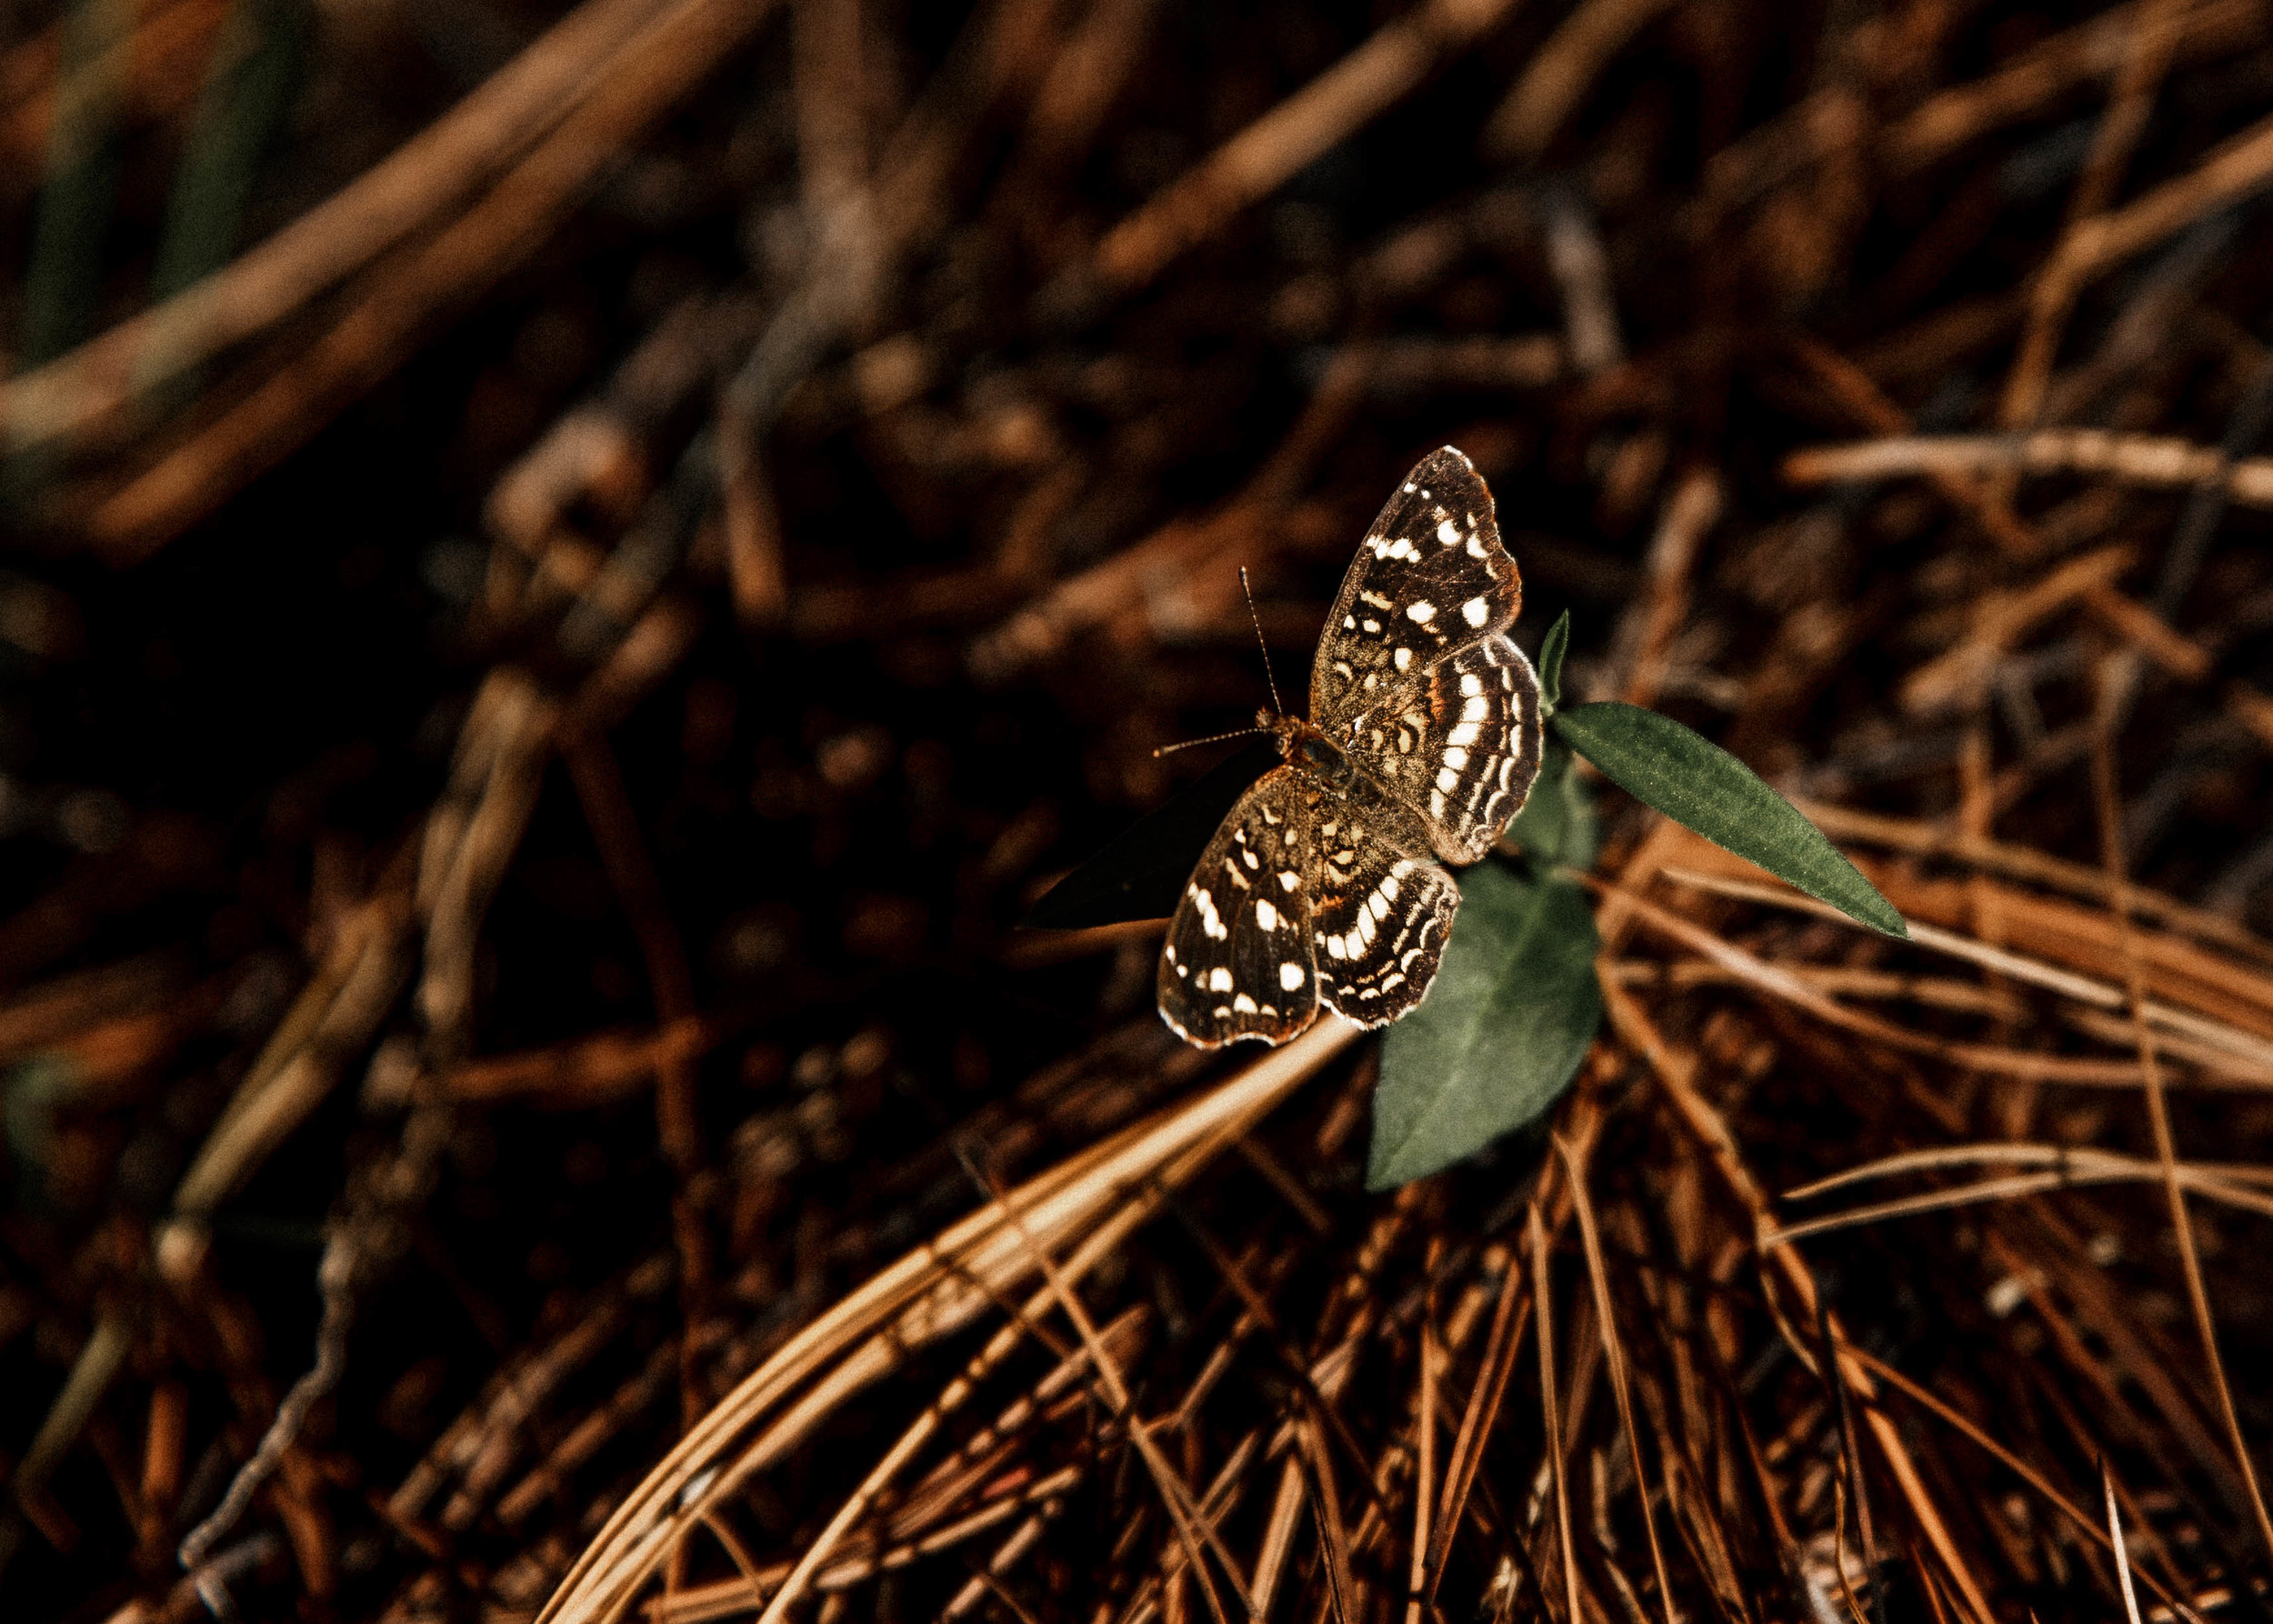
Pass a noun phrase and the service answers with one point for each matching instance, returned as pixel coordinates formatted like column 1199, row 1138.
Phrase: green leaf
column 1496, row 1041
column 1551, row 650
column 1557, row 825
column 1695, row 782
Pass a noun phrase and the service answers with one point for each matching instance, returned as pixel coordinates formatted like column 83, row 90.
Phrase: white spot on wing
column 1422, row 613
column 1403, row 657
column 1471, row 685
column 1476, row 611
column 1288, row 879
column 1266, row 915
column 1219, row 979
column 1291, row 977
column 1243, row 1004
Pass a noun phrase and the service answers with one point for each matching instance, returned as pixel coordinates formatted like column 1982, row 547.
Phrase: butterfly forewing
column 1429, row 577
column 1237, row 962
column 1383, row 910
column 1460, row 745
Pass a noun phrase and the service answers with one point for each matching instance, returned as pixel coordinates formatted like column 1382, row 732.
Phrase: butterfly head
column 1305, row 747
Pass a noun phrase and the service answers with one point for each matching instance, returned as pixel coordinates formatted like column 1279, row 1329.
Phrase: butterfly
column 1322, row 885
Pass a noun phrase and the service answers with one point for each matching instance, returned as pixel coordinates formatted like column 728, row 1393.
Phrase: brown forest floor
column 572, row 572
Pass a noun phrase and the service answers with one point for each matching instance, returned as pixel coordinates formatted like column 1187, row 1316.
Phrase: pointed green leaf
column 1695, row 782
column 1557, row 825
column 1551, row 650
column 1513, row 1008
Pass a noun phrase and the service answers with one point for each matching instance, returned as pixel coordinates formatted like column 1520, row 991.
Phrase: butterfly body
column 1323, row 887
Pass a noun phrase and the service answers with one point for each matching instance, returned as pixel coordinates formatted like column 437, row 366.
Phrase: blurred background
column 570, row 572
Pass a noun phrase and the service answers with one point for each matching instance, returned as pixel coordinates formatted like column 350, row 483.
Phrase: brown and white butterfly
column 1323, row 883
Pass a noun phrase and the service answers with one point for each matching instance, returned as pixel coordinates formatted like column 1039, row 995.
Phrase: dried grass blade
column 2103, row 1170
column 2027, row 864
column 1614, row 1354
column 2115, row 1541
column 2006, row 1458
column 2242, row 1045
column 1850, row 1452
column 1534, row 1232
column 1326, row 1506
column 914, row 1301
column 1677, row 1072
column 2018, row 1152
column 1501, row 1344
column 1425, row 1466
column 1278, row 1536
column 2110, row 816
column 1779, row 983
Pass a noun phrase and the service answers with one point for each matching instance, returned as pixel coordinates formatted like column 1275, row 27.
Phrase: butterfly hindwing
column 1460, row 745
column 1237, row 962
column 1383, row 910
column 1430, row 578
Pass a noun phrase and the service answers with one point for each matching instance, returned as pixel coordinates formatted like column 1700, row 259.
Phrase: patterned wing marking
column 1382, row 911
column 1461, row 747
column 1237, row 962
column 1430, row 577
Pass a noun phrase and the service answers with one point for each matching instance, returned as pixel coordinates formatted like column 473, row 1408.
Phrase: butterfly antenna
column 1212, row 739
column 1277, row 709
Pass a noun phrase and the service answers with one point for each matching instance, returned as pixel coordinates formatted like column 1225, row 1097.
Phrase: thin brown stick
column 2150, row 462
column 1560, row 76
column 1268, row 152
column 2079, row 56
column 669, row 56
column 2146, row 59
column 568, row 65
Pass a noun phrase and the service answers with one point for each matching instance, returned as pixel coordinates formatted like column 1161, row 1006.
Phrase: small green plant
column 1516, row 1003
